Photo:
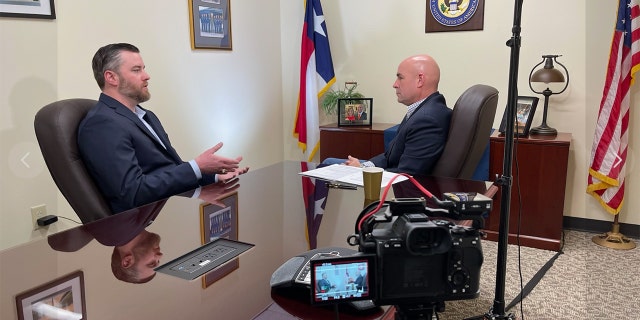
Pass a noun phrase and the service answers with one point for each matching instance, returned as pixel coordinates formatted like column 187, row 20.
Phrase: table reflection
column 270, row 214
column 136, row 251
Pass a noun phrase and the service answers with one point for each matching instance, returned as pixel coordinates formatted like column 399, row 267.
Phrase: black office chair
column 56, row 127
column 469, row 132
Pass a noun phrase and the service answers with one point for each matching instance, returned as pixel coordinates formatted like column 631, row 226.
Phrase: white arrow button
column 25, row 162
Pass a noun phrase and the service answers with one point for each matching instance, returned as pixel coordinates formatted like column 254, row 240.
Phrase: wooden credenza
column 539, row 174
column 359, row 142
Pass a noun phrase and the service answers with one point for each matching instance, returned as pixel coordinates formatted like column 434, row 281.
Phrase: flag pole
column 606, row 177
column 614, row 239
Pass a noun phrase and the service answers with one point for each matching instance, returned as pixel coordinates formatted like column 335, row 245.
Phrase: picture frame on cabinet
column 355, row 112
column 525, row 110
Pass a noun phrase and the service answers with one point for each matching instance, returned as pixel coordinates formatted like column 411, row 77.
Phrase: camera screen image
column 334, row 280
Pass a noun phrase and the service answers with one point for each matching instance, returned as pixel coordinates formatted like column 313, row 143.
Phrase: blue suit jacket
column 128, row 164
column 420, row 139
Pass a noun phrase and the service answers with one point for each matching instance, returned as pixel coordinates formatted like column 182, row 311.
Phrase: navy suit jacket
column 420, row 139
column 127, row 162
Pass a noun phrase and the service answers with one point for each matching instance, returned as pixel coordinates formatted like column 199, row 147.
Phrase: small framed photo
column 355, row 112
column 220, row 222
column 525, row 109
column 37, row 9
column 210, row 24
column 62, row 298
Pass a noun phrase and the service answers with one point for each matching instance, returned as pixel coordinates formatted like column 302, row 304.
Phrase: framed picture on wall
column 219, row 222
column 37, row 9
column 525, row 109
column 62, row 296
column 355, row 112
column 210, row 24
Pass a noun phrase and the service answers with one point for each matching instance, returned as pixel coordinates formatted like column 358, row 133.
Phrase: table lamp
column 548, row 74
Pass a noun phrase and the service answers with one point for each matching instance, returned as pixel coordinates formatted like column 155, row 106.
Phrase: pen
column 340, row 186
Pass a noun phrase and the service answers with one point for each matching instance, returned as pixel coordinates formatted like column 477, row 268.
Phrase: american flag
column 609, row 149
column 316, row 76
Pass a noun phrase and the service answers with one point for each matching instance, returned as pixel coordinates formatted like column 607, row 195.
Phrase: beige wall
column 28, row 74
column 202, row 96
column 246, row 97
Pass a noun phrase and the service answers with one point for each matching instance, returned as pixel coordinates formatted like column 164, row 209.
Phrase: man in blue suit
column 423, row 131
column 126, row 149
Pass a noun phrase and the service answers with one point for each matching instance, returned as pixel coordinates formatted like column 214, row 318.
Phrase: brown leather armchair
column 56, row 126
column 469, row 132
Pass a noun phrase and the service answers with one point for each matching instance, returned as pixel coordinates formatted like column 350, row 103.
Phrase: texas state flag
column 316, row 76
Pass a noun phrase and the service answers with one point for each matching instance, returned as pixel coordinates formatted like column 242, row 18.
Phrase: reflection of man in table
column 324, row 285
column 361, row 114
column 135, row 261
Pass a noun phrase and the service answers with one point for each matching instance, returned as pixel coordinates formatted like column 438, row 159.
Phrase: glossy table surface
column 271, row 215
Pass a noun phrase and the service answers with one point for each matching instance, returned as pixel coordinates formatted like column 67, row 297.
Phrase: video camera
column 410, row 254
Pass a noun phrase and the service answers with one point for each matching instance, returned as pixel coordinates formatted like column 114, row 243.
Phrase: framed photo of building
column 525, row 109
column 62, row 298
column 210, row 24
column 355, row 112
column 219, row 222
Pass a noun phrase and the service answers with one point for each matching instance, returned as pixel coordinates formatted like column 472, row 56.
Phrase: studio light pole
column 548, row 74
column 498, row 310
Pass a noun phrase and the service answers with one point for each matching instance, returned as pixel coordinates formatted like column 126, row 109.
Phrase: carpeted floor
column 587, row 281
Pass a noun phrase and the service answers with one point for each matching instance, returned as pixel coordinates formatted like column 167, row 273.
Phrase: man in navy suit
column 423, row 132
column 126, row 149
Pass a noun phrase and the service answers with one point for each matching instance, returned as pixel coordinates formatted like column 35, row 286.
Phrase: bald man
column 423, row 132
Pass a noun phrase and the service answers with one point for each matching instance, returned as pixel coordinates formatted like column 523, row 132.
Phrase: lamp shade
column 547, row 75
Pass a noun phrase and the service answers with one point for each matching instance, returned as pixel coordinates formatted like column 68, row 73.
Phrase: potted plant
column 330, row 99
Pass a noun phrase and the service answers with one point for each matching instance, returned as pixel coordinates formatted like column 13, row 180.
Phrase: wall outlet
column 37, row 212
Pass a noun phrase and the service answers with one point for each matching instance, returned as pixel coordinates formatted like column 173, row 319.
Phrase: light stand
column 498, row 310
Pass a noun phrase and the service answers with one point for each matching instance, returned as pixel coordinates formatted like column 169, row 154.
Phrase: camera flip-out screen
column 334, row 280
